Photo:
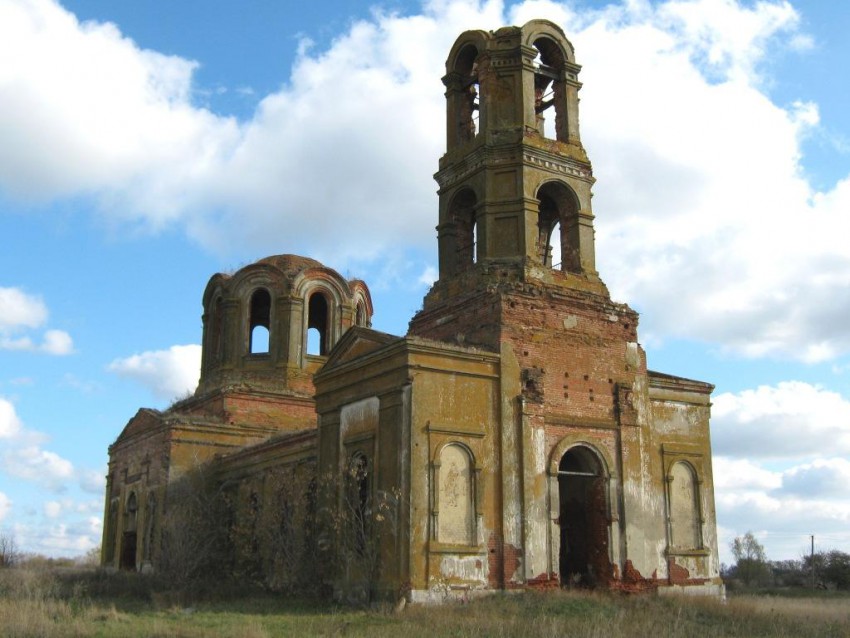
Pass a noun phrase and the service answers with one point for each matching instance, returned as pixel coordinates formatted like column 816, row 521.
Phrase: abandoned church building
column 513, row 438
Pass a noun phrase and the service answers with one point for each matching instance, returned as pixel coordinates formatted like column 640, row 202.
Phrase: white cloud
column 780, row 465
column 23, row 456
column 35, row 464
column 92, row 481
column 700, row 191
column 739, row 475
column 167, row 373
column 429, row 276
column 826, row 478
column 55, row 508
column 10, row 424
column 65, row 539
column 57, row 342
column 52, row 509
column 791, row 420
column 18, row 311
column 784, row 507
column 5, row 506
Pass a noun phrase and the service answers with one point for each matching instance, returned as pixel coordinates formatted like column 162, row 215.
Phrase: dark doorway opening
column 128, row 545
column 583, row 519
column 128, row 551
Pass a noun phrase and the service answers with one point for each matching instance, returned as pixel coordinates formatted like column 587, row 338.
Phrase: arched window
column 684, row 511
column 456, row 497
column 360, row 314
column 558, row 212
column 358, row 500
column 260, row 321
column 131, row 512
column 318, row 327
column 549, row 89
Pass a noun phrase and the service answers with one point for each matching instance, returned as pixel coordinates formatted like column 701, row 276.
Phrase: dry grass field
column 51, row 603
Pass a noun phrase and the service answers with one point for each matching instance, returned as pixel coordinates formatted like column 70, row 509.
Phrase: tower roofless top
column 515, row 181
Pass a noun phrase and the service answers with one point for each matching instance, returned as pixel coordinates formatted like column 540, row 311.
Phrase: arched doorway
column 583, row 518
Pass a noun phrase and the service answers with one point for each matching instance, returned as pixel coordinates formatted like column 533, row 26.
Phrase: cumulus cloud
column 783, row 506
column 23, row 455
column 167, row 373
column 773, row 472
column 41, row 466
column 10, row 424
column 827, row 478
column 92, row 481
column 20, row 311
column 789, row 420
column 694, row 159
column 52, row 509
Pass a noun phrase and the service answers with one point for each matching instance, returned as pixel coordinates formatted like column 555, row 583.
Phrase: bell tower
column 514, row 170
column 515, row 181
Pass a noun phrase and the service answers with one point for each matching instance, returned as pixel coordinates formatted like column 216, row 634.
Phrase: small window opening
column 317, row 325
column 360, row 315
column 259, row 340
column 261, row 304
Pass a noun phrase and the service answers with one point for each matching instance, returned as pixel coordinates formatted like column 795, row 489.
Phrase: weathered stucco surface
column 513, row 438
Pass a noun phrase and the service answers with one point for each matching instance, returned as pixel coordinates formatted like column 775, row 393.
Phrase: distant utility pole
column 812, row 561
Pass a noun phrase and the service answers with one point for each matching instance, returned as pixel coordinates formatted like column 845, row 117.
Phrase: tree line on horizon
column 825, row 569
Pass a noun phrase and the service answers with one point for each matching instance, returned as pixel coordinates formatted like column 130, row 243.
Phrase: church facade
column 513, row 438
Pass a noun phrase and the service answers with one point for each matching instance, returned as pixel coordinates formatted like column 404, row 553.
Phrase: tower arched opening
column 558, row 212
column 464, row 110
column 260, row 322
column 318, row 325
column 549, row 90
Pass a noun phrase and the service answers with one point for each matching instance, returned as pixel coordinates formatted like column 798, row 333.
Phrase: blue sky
column 146, row 146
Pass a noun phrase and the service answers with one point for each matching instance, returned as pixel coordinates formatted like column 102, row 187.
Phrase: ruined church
column 513, row 438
